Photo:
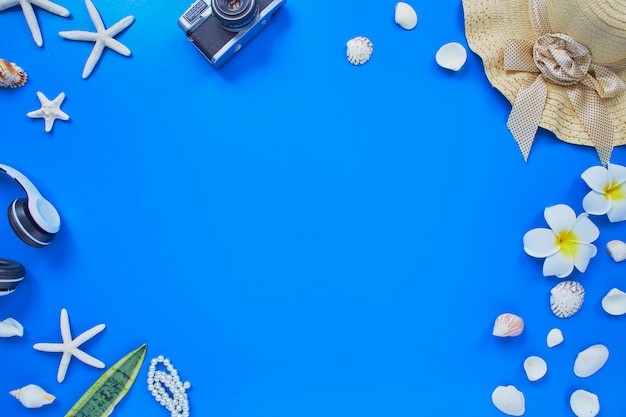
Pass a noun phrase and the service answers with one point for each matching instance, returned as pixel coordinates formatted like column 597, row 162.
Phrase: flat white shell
column 359, row 50
column 509, row 400
column 614, row 302
column 566, row 298
column 535, row 368
column 33, row 396
column 584, row 403
column 590, row 360
column 451, row 56
column 555, row 337
column 11, row 327
column 405, row 15
column 508, row 325
column 617, row 250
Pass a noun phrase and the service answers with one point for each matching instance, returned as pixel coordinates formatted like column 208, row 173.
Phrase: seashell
column 359, row 50
column 617, row 250
column 566, row 298
column 33, row 396
column 11, row 327
column 535, row 368
column 614, row 302
column 590, row 360
column 11, row 75
column 584, row 403
column 555, row 337
column 451, row 56
column 508, row 325
column 405, row 15
column 509, row 400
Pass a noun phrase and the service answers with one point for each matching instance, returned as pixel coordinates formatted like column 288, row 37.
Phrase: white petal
column 558, row 265
column 540, row 243
column 596, row 178
column 585, row 230
column 560, row 217
column 596, row 203
column 617, row 173
column 584, row 253
column 617, row 213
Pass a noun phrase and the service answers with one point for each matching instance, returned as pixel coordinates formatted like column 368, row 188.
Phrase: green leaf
column 111, row 387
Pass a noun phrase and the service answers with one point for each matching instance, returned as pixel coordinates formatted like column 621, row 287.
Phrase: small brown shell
column 11, row 75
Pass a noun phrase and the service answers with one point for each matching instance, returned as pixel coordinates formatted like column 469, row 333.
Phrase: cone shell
column 11, row 75
column 590, row 360
column 359, row 50
column 11, row 327
column 566, row 298
column 509, row 400
column 33, row 396
column 508, row 325
column 617, row 250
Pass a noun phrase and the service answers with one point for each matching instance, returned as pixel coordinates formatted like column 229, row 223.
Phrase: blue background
column 301, row 236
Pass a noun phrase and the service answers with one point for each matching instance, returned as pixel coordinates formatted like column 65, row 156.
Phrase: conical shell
column 33, row 396
column 405, row 15
column 11, row 327
column 535, row 368
column 509, row 400
column 566, row 298
column 617, row 250
column 359, row 50
column 590, row 360
column 584, row 403
column 555, row 337
column 11, row 75
column 614, row 302
column 508, row 325
column 451, row 56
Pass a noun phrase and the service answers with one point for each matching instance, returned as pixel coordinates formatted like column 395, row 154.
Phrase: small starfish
column 102, row 37
column 50, row 110
column 70, row 348
column 29, row 13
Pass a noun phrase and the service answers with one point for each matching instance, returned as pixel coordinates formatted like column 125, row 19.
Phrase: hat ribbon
column 561, row 60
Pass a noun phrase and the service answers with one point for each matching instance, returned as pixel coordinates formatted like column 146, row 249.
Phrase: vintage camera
column 219, row 28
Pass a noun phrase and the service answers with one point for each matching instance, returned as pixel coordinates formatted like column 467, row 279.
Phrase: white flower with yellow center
column 608, row 191
column 566, row 244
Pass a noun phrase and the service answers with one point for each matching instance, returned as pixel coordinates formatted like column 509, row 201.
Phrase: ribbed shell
column 508, row 325
column 11, row 75
column 359, row 50
column 566, row 298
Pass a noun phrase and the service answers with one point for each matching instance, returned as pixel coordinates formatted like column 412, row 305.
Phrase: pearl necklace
column 163, row 383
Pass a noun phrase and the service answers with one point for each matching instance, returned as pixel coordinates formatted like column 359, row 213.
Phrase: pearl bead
column 167, row 388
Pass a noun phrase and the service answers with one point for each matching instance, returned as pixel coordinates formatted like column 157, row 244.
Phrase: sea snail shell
column 32, row 396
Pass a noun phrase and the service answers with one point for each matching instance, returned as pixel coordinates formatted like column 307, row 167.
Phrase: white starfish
column 50, row 110
column 102, row 37
column 70, row 348
column 29, row 13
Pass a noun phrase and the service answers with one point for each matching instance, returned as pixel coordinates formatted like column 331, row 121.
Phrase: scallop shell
column 509, row 400
column 555, row 337
column 11, row 327
column 508, row 325
column 451, row 56
column 535, row 368
column 584, row 403
column 590, row 360
column 359, row 50
column 566, row 298
column 33, row 396
column 11, row 75
column 405, row 15
column 614, row 302
column 617, row 250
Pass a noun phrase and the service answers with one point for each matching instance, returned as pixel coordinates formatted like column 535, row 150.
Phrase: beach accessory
column 167, row 388
column 561, row 63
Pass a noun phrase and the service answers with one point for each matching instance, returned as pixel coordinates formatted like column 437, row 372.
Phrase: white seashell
column 509, row 400
column 405, row 15
column 566, row 298
column 508, row 325
column 11, row 75
column 451, row 56
column 555, row 337
column 614, row 302
column 11, row 327
column 535, row 368
column 359, row 50
column 33, row 396
column 617, row 250
column 584, row 403
column 590, row 360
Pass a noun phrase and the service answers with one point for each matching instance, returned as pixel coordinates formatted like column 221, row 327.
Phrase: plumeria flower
column 566, row 244
column 608, row 191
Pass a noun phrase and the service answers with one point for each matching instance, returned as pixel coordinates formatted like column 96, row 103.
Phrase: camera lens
column 234, row 15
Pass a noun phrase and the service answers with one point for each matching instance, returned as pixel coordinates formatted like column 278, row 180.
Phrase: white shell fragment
column 508, row 325
column 509, row 400
column 451, row 56
column 555, row 337
column 614, row 302
column 535, row 368
column 584, row 403
column 590, row 360
column 617, row 250
column 11, row 327
column 566, row 298
column 33, row 396
column 359, row 50
column 405, row 15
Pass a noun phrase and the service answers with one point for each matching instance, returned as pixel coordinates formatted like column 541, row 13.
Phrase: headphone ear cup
column 11, row 274
column 24, row 225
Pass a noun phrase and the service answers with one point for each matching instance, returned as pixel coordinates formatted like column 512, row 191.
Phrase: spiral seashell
column 566, row 298
column 359, row 50
column 11, row 75
column 32, row 396
column 508, row 325
column 11, row 327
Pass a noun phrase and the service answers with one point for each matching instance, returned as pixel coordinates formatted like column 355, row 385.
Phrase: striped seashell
column 566, row 298
column 33, row 396
column 508, row 325
column 11, row 75
column 359, row 50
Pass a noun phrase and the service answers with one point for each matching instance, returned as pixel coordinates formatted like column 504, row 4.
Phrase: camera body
column 216, row 40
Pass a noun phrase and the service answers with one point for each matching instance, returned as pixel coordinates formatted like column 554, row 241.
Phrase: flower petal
column 617, row 173
column 540, row 243
column 584, row 229
column 584, row 252
column 558, row 264
column 596, row 178
column 617, row 213
column 560, row 217
column 597, row 203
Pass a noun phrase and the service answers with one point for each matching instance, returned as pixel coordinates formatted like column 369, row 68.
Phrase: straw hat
column 561, row 63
